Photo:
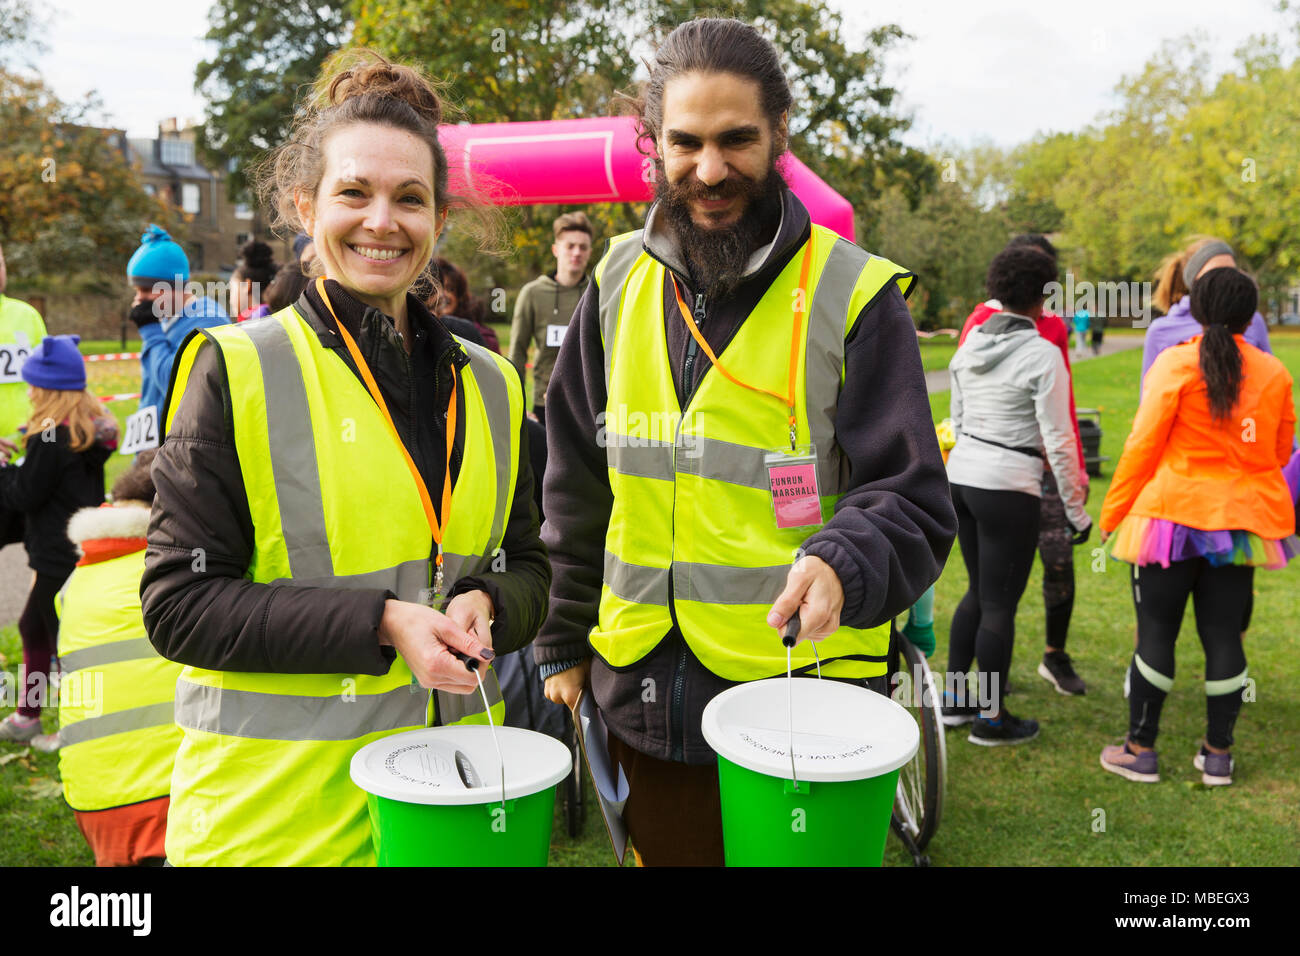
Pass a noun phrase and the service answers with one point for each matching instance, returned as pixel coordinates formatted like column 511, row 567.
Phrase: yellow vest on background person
column 692, row 509
column 117, row 735
column 262, row 776
column 21, row 330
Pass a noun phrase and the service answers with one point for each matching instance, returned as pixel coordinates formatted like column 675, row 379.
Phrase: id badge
column 792, row 483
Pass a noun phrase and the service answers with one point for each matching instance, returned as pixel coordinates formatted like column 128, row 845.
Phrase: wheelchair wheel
column 918, row 804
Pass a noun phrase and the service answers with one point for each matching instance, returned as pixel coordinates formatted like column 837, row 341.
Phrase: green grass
column 1037, row 803
column 937, row 352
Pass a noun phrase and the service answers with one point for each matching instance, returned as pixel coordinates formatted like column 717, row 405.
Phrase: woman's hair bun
column 364, row 73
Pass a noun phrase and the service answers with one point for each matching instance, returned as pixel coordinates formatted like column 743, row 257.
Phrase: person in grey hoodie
column 1010, row 404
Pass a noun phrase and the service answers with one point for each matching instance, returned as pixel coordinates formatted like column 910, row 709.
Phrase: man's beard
column 717, row 257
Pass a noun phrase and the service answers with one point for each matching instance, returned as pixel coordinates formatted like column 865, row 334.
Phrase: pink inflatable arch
column 590, row 160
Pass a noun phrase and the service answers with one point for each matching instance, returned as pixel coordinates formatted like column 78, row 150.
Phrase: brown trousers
column 673, row 812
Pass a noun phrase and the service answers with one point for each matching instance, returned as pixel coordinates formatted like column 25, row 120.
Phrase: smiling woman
column 336, row 485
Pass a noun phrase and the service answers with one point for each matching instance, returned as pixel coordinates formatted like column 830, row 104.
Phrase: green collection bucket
column 422, row 812
column 833, row 809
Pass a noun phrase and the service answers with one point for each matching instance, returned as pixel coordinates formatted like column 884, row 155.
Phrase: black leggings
column 38, row 626
column 1057, row 551
column 997, row 531
column 1220, row 597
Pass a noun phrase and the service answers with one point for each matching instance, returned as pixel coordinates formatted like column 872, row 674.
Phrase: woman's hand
column 425, row 638
column 7, row 449
column 567, row 686
column 1104, row 535
column 473, row 613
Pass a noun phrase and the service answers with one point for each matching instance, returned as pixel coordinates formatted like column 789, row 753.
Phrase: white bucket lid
column 419, row 766
column 841, row 731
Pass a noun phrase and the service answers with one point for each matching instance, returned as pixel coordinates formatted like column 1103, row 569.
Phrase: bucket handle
column 471, row 664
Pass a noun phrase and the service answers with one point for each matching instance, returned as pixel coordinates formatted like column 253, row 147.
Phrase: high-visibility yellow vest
column 115, row 697
column 261, row 776
column 692, row 532
column 21, row 330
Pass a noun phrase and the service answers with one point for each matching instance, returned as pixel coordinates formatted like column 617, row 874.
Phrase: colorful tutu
column 1142, row 540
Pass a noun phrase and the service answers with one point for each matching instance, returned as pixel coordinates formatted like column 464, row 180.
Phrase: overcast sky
column 999, row 70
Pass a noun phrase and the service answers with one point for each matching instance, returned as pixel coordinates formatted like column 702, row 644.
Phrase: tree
column 21, row 28
column 948, row 238
column 1180, row 156
column 69, row 202
column 267, row 51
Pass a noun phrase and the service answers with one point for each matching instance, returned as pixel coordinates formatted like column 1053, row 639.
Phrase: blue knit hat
column 158, row 259
column 56, row 364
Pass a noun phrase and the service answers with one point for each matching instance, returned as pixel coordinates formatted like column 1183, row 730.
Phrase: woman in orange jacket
column 1198, row 501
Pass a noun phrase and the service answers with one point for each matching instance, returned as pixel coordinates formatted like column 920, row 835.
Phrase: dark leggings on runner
column 997, row 531
column 1220, row 597
column 1057, row 552
column 39, row 627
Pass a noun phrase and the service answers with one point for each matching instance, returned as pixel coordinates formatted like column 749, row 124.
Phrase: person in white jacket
column 1010, row 404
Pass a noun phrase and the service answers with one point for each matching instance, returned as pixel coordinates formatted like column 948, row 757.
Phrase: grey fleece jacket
column 1010, row 388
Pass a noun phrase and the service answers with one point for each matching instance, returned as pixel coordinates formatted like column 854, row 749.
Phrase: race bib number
column 12, row 357
column 141, row 431
column 555, row 335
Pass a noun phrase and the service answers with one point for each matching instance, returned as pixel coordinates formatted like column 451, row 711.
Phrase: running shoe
column 19, row 730
column 1216, row 769
column 1057, row 670
column 954, row 715
column 47, row 743
column 1008, row 729
column 1138, row 767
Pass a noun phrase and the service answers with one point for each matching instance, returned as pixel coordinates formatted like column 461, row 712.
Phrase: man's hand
column 425, row 638
column 567, row 686
column 813, row 589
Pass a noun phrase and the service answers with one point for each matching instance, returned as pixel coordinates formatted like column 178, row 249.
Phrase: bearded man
column 738, row 432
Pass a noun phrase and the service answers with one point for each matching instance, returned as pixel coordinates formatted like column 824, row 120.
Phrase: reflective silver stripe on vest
column 135, row 718
column 293, row 450
column 707, row 583
column 618, row 265
column 718, row 584
column 639, row 457
column 496, row 400
column 825, row 359
column 135, row 649
column 723, row 461
column 406, row 580
column 242, row 713
column 636, row 582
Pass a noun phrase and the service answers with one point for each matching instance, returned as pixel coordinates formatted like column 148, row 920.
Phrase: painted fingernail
column 488, row 654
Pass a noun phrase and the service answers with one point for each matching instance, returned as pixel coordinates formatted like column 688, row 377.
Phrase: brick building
column 169, row 167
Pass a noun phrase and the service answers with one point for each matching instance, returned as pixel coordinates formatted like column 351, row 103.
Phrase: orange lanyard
column 434, row 525
column 800, row 311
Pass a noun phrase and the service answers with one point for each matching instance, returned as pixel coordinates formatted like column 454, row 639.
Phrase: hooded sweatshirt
column 1011, row 390
column 542, row 315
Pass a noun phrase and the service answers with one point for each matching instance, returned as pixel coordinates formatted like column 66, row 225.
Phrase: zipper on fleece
column 678, row 700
